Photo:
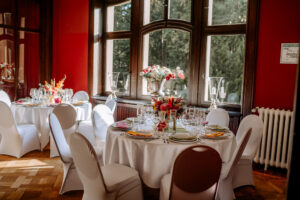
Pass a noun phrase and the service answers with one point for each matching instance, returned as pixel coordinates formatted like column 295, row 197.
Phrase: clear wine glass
column 155, row 120
column 33, row 94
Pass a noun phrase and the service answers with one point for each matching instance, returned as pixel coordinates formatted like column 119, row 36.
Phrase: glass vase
column 155, row 87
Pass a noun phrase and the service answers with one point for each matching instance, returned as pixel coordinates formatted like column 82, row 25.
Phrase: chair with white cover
column 102, row 118
column 218, row 116
column 109, row 98
column 195, row 175
column 66, row 114
column 112, row 104
column 71, row 180
column 225, row 189
column 243, row 174
column 5, row 98
column 81, row 96
column 16, row 140
column 108, row 182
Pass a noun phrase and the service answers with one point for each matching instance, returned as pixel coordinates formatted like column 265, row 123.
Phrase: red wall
column 70, row 42
column 275, row 82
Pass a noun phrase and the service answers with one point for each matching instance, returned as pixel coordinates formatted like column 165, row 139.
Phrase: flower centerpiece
column 52, row 89
column 155, row 75
column 168, row 107
column 7, row 72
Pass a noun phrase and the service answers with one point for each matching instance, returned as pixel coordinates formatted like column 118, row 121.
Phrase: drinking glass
column 173, row 118
column 70, row 94
column 155, row 120
column 33, row 94
column 140, row 113
column 135, row 124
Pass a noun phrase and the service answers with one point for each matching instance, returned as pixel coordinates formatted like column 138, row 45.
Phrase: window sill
column 142, row 102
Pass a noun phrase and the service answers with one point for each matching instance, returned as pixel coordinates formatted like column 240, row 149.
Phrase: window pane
column 170, row 48
column 7, row 10
column 153, row 10
column 7, row 58
column 225, row 58
column 118, row 17
column 117, row 60
column 222, row 12
column 28, row 59
column 180, row 9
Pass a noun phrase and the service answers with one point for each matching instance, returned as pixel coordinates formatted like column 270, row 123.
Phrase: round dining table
column 154, row 158
column 38, row 115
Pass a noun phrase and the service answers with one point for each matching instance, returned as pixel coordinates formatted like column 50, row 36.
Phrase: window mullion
column 166, row 10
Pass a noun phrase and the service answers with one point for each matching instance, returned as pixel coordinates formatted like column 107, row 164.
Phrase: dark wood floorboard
column 36, row 176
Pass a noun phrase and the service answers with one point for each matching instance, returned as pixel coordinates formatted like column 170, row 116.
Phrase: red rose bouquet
column 167, row 104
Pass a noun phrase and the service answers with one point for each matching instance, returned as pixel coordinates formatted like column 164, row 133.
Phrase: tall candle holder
column 113, row 79
column 214, row 87
column 223, row 90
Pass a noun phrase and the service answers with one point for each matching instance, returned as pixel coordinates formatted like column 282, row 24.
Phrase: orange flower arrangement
column 52, row 87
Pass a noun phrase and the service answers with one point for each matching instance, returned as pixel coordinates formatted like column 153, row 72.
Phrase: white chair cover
column 112, row 104
column 218, row 116
column 66, row 114
column 16, row 140
column 242, row 174
column 108, row 182
column 71, row 180
column 109, row 98
column 225, row 190
column 102, row 118
column 5, row 98
column 81, row 96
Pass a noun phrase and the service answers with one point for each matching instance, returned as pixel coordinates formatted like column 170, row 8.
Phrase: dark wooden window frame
column 45, row 42
column 198, row 29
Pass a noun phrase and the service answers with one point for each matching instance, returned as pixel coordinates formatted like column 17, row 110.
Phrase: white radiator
column 275, row 147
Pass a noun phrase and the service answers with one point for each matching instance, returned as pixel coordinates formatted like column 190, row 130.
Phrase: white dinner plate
column 131, row 119
column 140, row 137
column 226, row 134
column 183, row 138
column 129, row 126
column 183, row 141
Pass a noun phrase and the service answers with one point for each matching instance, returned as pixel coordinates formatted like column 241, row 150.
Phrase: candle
column 213, row 90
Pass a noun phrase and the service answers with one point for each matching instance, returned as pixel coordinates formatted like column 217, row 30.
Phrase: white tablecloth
column 153, row 159
column 39, row 117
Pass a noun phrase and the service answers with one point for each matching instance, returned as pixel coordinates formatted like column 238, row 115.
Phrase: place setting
column 215, row 132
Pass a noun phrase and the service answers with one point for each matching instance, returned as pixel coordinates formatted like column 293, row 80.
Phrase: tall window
column 202, row 39
column 170, row 46
column 118, row 48
column 224, row 33
column 21, row 30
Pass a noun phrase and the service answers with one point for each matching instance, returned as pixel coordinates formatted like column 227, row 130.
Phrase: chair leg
column 243, row 175
column 71, row 180
column 225, row 190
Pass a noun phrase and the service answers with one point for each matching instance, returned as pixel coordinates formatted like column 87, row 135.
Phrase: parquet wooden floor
column 36, row 176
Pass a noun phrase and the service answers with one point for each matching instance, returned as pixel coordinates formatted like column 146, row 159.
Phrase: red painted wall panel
column 275, row 82
column 70, row 42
